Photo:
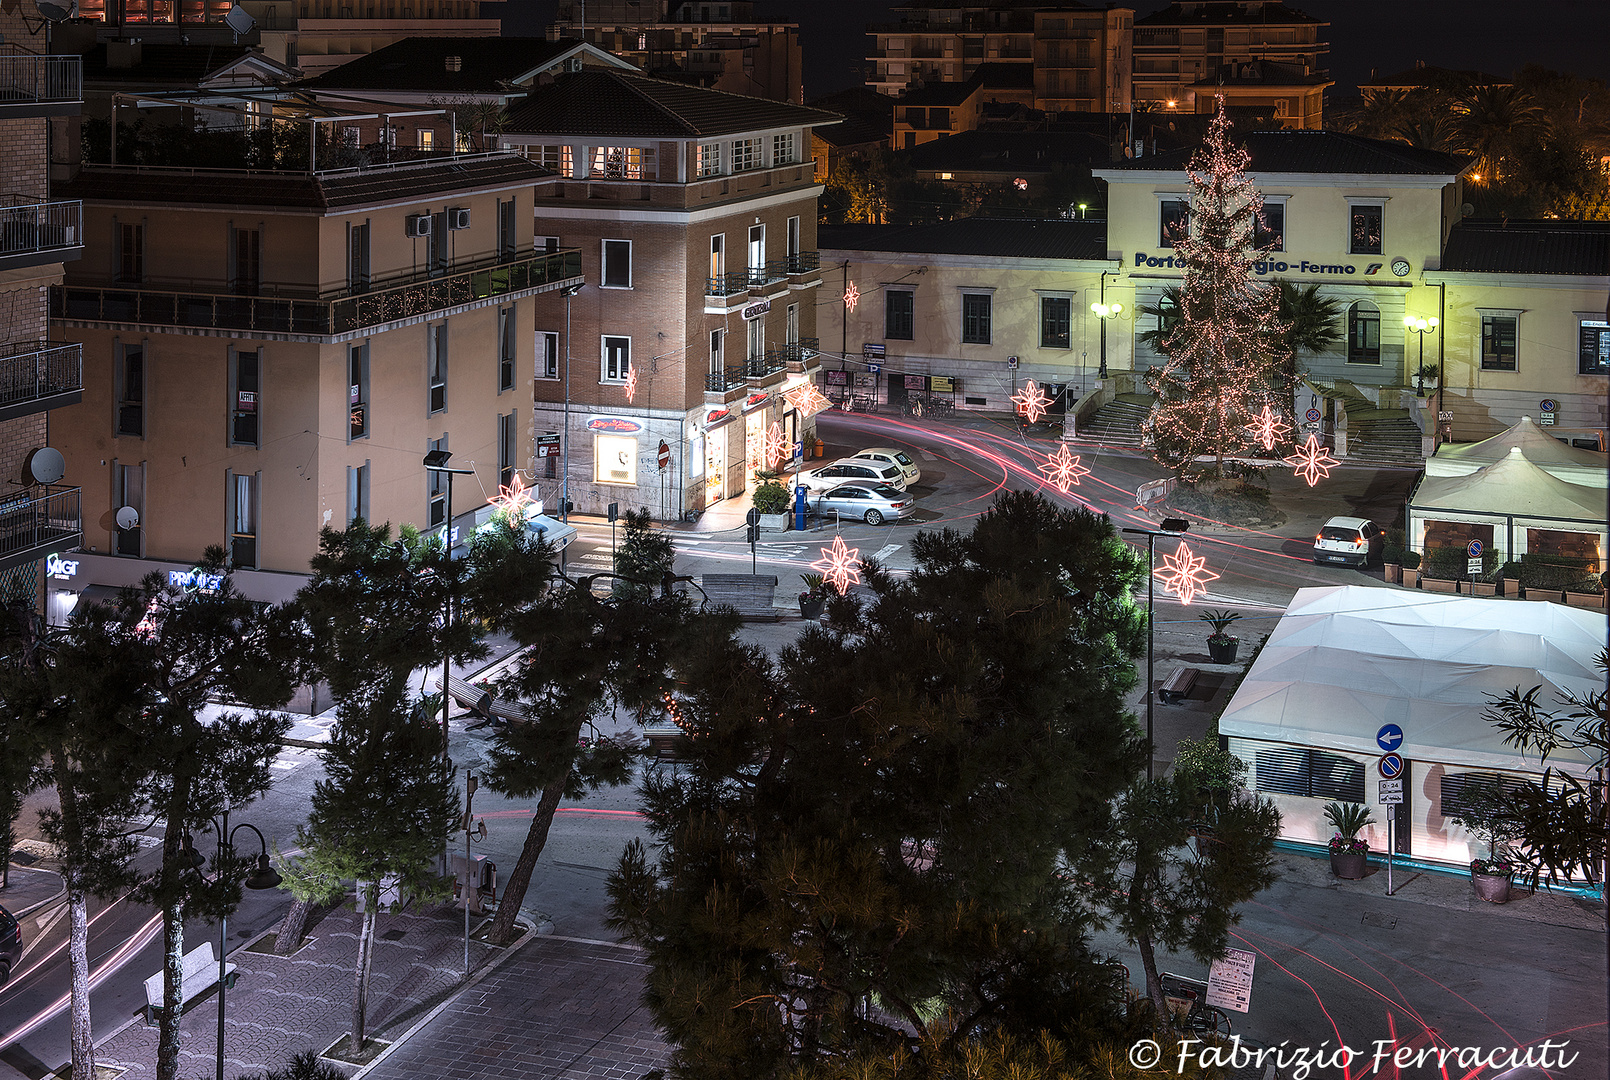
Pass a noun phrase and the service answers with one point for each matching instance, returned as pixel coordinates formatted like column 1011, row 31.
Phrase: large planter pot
column 1432, row 584
column 812, row 608
column 1411, row 578
column 1392, row 572
column 1223, row 652
column 1484, row 588
column 1349, row 865
column 1585, row 599
column 776, row 522
column 1493, row 888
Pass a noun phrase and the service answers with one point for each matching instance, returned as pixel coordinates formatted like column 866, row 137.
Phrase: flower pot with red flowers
column 1349, row 856
column 1221, row 645
column 1486, row 811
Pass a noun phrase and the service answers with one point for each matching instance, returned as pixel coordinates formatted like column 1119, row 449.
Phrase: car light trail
column 119, row 956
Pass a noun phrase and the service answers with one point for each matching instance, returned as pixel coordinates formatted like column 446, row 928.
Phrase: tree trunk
column 1154, row 985
column 502, row 930
column 172, row 994
column 289, row 937
column 78, row 959
column 366, row 952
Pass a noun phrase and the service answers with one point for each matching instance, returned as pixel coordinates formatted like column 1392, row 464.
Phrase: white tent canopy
column 1569, row 463
column 1513, row 486
column 1345, row 660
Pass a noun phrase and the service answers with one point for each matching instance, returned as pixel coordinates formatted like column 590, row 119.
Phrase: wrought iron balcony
column 41, row 85
column 799, row 352
column 313, row 316
column 719, row 382
column 765, row 366
column 39, row 232
column 757, row 277
column 37, row 522
column 39, row 375
column 801, row 262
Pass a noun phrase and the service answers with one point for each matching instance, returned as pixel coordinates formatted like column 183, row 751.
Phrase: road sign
column 665, row 455
column 799, row 451
column 871, row 351
column 1390, row 737
column 753, row 517
column 1312, row 416
column 1391, row 793
column 1474, row 549
column 874, row 368
column 1547, row 419
column 1391, row 766
column 1230, row 981
column 1011, row 362
column 1548, row 404
column 1473, row 568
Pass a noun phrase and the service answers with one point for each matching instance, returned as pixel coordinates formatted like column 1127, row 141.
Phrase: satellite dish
column 127, row 517
column 56, row 10
column 46, row 465
column 1466, row 210
column 239, row 20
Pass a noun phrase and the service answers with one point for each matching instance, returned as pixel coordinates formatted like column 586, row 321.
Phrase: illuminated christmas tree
column 1226, row 357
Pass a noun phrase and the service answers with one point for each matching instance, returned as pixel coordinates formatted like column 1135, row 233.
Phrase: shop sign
column 1271, row 266
column 61, row 569
column 197, row 580
column 756, row 310
column 717, row 416
column 547, row 446
column 618, row 425
column 755, row 401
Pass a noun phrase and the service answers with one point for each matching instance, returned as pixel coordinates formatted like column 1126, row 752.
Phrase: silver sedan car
column 872, row 503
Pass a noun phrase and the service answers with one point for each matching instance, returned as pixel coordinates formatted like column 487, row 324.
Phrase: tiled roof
column 1577, row 248
column 164, row 63
column 1318, row 152
column 290, row 191
column 1001, row 151
column 942, row 93
column 1225, row 11
column 420, row 64
column 1263, row 73
column 635, row 106
column 1008, row 237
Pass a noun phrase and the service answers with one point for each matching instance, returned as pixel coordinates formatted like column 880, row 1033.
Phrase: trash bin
column 818, row 449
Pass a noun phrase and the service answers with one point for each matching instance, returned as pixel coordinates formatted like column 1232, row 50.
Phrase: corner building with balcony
column 273, row 352
column 39, row 233
column 695, row 214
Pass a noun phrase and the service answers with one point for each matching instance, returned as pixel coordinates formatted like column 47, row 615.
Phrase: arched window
column 1363, row 333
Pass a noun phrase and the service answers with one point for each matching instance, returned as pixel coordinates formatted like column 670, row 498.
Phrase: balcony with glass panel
column 36, row 376
column 38, row 522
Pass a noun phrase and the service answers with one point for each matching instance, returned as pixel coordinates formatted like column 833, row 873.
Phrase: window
column 791, row 325
column 899, row 307
column 1363, row 333
column 717, row 341
column 508, row 236
column 506, row 448
column 436, row 366
column 245, row 372
column 757, row 254
column 1056, row 322
column 357, row 492
column 617, row 264
column 782, row 149
column 131, row 390
column 243, row 494
column 427, row 138
column 547, row 355
column 1269, row 233
column 615, row 458
column 506, row 327
column 549, row 244
column 1454, row 790
column 718, row 259
column 435, row 489
column 438, row 245
column 617, row 359
column 939, row 119
column 756, row 339
column 793, row 238
column 358, row 391
column 129, row 481
column 621, row 162
column 975, row 318
column 131, row 253
column 1174, row 218
column 745, row 155
column 1314, row 774
column 245, row 261
column 1499, row 331
column 710, row 159
column 1593, row 347
column 358, row 257
column 1364, row 232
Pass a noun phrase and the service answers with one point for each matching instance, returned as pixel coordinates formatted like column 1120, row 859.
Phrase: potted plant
column 1425, row 379
column 1221, row 646
column 1487, row 815
column 771, row 499
column 1444, row 566
column 814, row 598
column 1349, row 855
column 1411, row 569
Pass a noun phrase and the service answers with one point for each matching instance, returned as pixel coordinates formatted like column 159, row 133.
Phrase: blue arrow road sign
column 1391, row 766
column 1390, row 737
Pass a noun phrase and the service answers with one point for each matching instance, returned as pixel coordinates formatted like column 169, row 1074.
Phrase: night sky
column 1497, row 36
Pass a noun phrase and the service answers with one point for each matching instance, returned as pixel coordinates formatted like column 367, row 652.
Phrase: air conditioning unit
column 458, row 218
column 417, row 225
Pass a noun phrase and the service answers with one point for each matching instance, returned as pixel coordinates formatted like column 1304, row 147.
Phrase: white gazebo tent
column 1569, row 463
column 1346, row 660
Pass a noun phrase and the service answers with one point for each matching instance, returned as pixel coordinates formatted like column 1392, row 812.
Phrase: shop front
column 81, row 577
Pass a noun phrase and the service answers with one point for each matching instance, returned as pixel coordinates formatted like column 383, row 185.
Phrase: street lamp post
column 1170, row 527
column 568, row 292
column 436, row 461
column 1422, row 326
column 1105, row 311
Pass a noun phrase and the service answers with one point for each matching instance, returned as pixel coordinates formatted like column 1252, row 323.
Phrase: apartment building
column 273, row 351
column 39, row 502
column 670, row 378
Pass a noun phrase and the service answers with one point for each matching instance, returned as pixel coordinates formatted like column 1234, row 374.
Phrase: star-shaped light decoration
column 838, row 565
column 852, row 296
column 774, row 445
column 1063, row 470
column 1268, row 428
column 631, row 384
column 512, row 501
column 1184, row 573
column 806, row 399
column 1312, row 461
column 1031, row 401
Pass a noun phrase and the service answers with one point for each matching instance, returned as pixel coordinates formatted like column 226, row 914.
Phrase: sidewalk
column 29, row 890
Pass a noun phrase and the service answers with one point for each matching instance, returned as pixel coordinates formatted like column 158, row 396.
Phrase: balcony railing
column 799, row 352
column 28, row 228
column 801, row 262
column 41, row 80
column 35, row 522
column 766, row 365
column 719, row 382
column 321, row 317
column 757, row 277
column 35, row 371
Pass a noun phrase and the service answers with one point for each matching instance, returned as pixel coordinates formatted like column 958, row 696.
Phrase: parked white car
column 1349, row 541
column 890, row 455
column 851, row 471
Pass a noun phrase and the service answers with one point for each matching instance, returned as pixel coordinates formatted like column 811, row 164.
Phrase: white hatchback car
column 851, row 471
column 889, row 455
column 1349, row 541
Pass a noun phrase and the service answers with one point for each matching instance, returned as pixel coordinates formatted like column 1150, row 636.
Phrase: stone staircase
column 1117, row 423
column 1377, row 436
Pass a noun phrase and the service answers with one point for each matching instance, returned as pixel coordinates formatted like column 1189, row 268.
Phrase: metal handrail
column 765, row 365
column 30, row 371
column 30, row 227
column 25, row 79
column 39, row 518
column 729, row 378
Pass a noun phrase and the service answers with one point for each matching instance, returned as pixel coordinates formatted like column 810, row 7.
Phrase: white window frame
column 785, row 148
column 1283, row 202
column 604, row 376
column 425, row 138
column 747, row 155
column 437, row 355
column 603, row 262
column 718, row 351
column 708, row 159
column 358, row 491
column 542, row 369
column 508, row 351
column 718, row 257
column 1171, row 197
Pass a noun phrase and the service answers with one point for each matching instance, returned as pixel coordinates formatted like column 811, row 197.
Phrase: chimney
column 455, row 63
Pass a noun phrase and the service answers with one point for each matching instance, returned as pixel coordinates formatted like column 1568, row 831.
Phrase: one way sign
column 1389, row 738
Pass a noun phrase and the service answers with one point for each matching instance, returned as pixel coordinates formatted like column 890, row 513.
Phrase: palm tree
column 1167, row 313
column 1312, row 321
column 1493, row 122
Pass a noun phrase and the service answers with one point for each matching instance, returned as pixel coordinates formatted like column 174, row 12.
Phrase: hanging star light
column 774, row 445
column 838, row 565
column 1063, row 470
column 1184, row 573
column 631, row 384
column 1268, row 428
column 512, row 501
column 806, row 399
column 1031, row 401
column 1312, row 461
column 852, row 296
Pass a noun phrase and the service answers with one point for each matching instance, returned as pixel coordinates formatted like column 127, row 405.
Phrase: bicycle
column 913, row 407
column 1187, row 1001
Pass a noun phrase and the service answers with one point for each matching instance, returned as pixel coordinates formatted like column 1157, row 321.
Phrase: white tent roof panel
column 1571, row 463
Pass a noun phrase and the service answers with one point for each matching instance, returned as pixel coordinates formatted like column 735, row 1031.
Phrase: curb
column 31, row 908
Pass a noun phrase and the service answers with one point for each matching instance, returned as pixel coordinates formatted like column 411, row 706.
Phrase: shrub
column 1411, row 560
column 1348, row 819
column 1552, row 573
column 771, row 498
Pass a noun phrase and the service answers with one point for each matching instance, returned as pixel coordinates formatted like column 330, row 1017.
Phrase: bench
column 477, row 699
column 666, row 743
column 1178, row 686
column 750, row 595
column 200, row 971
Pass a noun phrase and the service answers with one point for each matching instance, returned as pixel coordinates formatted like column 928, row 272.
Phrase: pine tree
column 645, row 556
column 1226, row 356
